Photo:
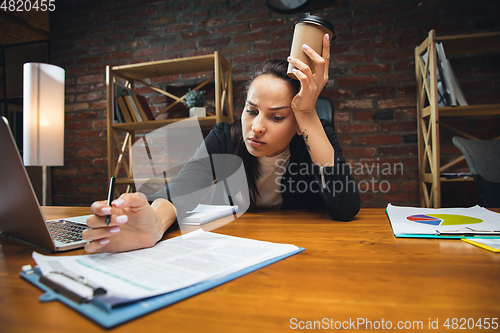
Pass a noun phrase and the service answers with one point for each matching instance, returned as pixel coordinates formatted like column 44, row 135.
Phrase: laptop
column 21, row 217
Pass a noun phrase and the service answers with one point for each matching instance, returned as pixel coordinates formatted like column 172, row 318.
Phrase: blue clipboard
column 108, row 316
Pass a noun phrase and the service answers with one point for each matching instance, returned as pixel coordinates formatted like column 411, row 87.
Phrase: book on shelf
column 120, row 110
column 129, row 107
column 117, row 114
column 456, row 96
column 444, row 92
column 124, row 109
column 139, row 108
column 448, row 88
column 444, row 65
column 458, row 90
column 145, row 107
column 133, row 108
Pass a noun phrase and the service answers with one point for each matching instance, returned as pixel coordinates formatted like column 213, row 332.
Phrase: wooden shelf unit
column 139, row 73
column 429, row 117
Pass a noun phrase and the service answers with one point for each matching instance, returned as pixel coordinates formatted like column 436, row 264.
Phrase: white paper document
column 170, row 265
column 492, row 245
column 206, row 213
column 433, row 221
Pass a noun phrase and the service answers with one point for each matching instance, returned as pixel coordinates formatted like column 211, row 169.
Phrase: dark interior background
column 372, row 75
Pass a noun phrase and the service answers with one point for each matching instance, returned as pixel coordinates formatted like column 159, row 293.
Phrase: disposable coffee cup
column 310, row 30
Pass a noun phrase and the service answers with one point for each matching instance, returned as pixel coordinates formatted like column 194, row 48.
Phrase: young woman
column 292, row 159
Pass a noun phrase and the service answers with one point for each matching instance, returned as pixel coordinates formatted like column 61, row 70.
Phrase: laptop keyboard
column 66, row 231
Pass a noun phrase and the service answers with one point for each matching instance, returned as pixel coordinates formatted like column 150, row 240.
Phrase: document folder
column 443, row 223
column 108, row 316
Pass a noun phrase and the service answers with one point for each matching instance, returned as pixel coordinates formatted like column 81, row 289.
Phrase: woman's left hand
column 311, row 83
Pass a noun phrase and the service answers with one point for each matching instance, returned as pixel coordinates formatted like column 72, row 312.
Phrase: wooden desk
column 348, row 271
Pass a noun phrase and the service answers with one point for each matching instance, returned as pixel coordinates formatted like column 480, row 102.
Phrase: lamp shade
column 43, row 114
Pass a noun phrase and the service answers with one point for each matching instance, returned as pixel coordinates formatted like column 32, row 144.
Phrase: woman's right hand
column 135, row 224
column 312, row 80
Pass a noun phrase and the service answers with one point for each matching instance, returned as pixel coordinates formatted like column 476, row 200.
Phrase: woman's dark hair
column 278, row 69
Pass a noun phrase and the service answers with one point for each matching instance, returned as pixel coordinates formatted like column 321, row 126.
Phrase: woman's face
column 268, row 121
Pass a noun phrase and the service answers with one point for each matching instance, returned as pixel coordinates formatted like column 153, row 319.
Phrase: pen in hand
column 111, row 190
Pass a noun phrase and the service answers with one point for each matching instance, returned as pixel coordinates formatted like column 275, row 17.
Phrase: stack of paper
column 206, row 213
column 443, row 222
column 171, row 265
column 492, row 245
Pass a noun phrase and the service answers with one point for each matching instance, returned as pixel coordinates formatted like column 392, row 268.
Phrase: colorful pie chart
column 443, row 219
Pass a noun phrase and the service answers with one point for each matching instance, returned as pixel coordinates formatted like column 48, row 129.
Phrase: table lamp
column 43, row 118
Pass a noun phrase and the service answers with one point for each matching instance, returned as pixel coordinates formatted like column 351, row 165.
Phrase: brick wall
column 372, row 74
